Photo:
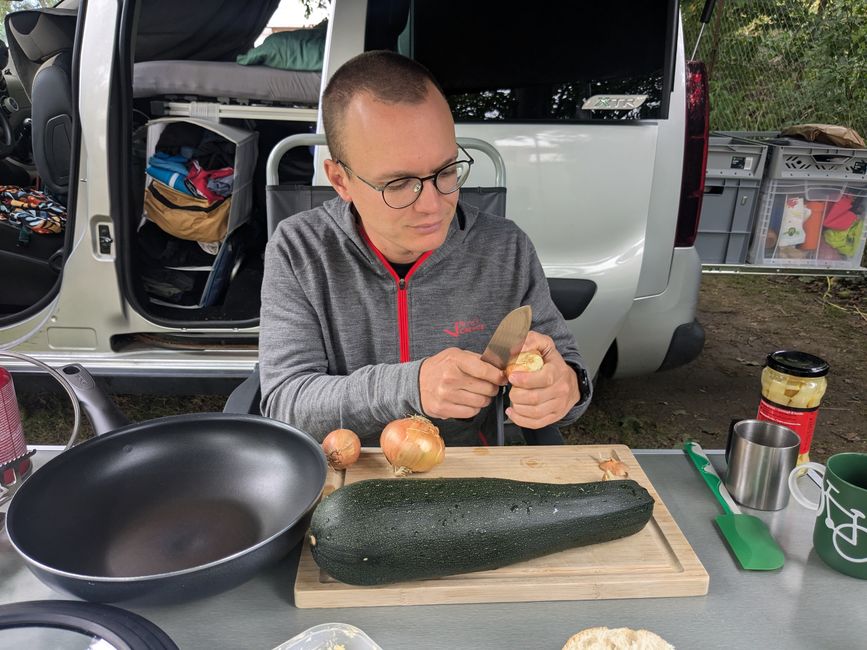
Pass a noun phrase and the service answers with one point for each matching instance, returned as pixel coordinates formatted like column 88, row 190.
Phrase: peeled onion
column 342, row 448
column 412, row 444
column 530, row 361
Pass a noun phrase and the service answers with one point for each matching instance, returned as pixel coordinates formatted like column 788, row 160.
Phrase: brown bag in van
column 185, row 216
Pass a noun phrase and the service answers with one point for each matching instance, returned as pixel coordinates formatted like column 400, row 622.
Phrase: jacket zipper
column 402, row 303
column 402, row 319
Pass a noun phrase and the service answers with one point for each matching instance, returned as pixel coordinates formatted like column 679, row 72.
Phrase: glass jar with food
column 793, row 384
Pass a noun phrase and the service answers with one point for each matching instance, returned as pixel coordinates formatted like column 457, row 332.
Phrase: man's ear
column 338, row 178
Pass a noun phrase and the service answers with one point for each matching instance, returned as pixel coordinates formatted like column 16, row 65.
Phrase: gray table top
column 804, row 605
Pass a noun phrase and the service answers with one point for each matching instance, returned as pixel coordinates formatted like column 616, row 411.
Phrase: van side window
column 543, row 68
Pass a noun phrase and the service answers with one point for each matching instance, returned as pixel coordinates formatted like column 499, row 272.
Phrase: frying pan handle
column 245, row 397
column 101, row 411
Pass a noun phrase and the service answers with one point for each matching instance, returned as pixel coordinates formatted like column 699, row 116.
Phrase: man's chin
column 434, row 240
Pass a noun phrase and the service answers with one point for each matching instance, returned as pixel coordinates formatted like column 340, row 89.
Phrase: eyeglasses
column 403, row 192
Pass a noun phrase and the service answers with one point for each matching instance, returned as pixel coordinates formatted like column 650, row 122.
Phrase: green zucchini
column 392, row 530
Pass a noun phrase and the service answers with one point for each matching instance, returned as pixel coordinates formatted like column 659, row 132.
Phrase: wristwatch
column 585, row 385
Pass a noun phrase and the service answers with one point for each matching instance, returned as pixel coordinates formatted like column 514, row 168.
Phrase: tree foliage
column 312, row 5
column 773, row 63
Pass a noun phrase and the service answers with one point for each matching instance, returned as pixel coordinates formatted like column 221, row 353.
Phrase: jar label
column 801, row 421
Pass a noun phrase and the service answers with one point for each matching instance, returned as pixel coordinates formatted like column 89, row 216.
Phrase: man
column 379, row 303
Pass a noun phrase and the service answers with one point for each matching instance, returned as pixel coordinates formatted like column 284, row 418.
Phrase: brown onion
column 342, row 448
column 412, row 444
column 530, row 361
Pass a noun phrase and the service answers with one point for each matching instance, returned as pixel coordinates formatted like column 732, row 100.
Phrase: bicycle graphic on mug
column 839, row 530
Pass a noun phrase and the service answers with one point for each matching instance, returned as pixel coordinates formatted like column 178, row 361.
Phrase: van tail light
column 694, row 154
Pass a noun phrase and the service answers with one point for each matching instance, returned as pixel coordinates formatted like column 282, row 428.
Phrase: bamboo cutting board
column 655, row 562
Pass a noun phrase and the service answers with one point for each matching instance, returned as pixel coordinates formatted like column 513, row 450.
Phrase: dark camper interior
column 204, row 103
column 208, row 105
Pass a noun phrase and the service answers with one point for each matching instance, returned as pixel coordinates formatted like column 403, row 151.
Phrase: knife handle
column 708, row 473
column 498, row 405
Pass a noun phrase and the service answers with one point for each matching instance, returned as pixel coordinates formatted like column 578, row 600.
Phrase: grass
column 47, row 418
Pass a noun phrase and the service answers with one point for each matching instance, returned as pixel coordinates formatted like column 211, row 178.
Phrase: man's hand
column 456, row 383
column 543, row 397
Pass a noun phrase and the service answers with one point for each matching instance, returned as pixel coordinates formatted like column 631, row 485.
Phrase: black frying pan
column 169, row 509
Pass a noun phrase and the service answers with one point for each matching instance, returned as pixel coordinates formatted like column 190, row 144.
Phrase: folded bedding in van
column 299, row 49
column 225, row 79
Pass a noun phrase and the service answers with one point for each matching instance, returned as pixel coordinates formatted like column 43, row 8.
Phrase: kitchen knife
column 504, row 347
column 508, row 339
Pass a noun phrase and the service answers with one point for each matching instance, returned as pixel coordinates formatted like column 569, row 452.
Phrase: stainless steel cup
column 760, row 456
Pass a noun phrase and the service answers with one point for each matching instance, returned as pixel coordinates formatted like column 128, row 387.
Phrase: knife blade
column 504, row 347
column 508, row 339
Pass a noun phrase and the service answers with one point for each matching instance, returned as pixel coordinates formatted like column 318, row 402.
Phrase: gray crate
column 760, row 136
column 728, row 212
column 796, row 159
column 792, row 158
column 734, row 157
column 733, row 177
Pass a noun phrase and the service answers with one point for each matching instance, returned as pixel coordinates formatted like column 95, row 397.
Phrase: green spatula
column 747, row 536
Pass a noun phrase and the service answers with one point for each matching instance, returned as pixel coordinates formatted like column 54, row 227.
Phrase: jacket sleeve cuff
column 411, row 386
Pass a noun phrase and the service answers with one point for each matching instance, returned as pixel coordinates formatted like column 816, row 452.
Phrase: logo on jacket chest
column 465, row 327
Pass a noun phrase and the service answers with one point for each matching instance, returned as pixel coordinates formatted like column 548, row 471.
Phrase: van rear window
column 502, row 61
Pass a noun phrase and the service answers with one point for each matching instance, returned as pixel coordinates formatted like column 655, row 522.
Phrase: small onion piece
column 412, row 444
column 342, row 448
column 613, row 468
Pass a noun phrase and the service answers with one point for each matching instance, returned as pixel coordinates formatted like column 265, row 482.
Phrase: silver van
column 600, row 122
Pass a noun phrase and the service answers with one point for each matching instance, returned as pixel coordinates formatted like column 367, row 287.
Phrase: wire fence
column 773, row 63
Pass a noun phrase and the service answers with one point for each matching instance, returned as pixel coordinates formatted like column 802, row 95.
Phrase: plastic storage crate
column 733, row 177
column 813, row 207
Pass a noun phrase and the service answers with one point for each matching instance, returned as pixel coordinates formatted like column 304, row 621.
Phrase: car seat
column 40, row 45
column 51, row 98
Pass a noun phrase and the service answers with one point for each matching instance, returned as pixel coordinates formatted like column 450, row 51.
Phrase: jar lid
column 799, row 364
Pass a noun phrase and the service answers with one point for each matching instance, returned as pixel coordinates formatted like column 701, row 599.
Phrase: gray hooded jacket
column 342, row 339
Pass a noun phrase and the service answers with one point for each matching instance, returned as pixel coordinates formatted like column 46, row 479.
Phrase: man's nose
column 429, row 199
